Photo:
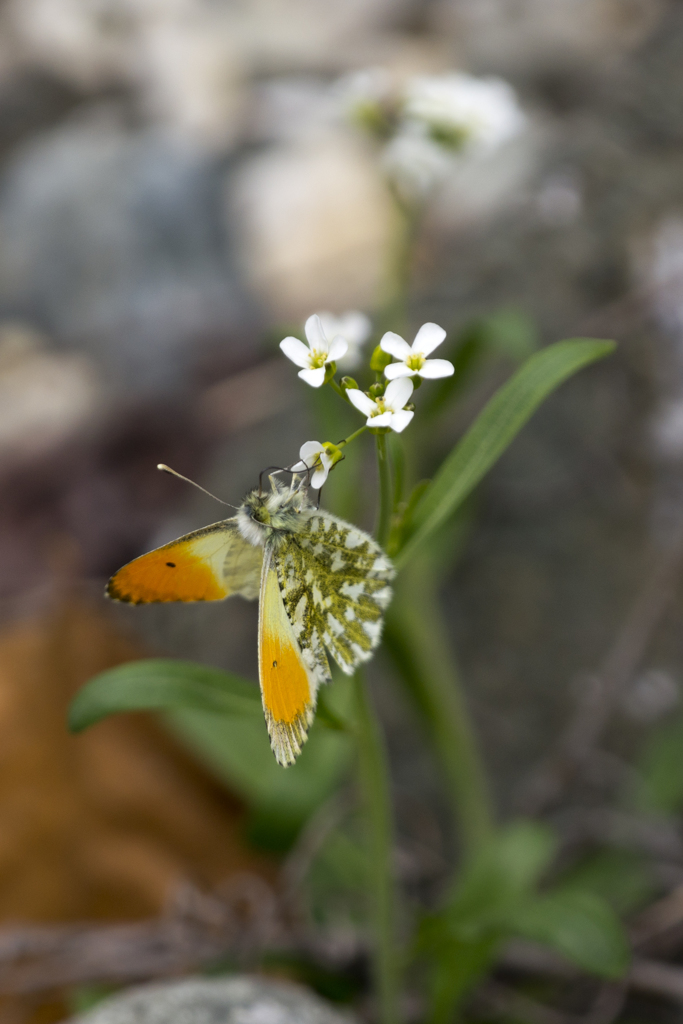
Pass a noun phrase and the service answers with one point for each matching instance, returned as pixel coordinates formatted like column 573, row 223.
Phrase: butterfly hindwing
column 207, row 565
column 288, row 688
column 334, row 580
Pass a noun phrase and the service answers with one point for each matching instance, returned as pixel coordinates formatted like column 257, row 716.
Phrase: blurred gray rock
column 237, row 1000
column 110, row 243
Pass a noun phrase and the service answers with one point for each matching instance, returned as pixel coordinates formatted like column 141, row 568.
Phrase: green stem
column 336, row 387
column 374, row 783
column 395, row 314
column 386, row 492
column 418, row 638
column 352, row 437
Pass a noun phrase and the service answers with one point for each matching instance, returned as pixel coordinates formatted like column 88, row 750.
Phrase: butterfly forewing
column 287, row 687
column 334, row 580
column 206, row 565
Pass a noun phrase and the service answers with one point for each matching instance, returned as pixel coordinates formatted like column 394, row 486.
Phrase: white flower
column 413, row 359
column 463, row 112
column 317, row 355
column 388, row 410
column 415, row 163
column 354, row 327
column 314, row 457
column 362, row 94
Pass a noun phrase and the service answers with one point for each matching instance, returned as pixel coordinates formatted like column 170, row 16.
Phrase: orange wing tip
column 113, row 591
column 287, row 738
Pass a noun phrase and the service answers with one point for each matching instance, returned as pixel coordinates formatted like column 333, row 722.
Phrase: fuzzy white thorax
column 263, row 517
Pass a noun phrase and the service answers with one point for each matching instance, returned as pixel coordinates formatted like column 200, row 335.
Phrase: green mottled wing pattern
column 334, row 581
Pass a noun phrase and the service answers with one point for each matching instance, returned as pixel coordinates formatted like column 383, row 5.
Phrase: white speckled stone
column 236, row 1000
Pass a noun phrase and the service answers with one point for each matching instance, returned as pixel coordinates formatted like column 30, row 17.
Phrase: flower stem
column 352, row 437
column 418, row 638
column 336, row 387
column 395, row 313
column 374, row 784
column 386, row 492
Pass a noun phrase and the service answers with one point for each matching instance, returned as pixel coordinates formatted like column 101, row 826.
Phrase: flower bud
column 348, row 382
column 379, row 360
column 334, row 453
column 376, row 390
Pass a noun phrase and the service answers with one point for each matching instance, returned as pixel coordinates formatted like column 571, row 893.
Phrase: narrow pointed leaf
column 581, row 925
column 161, row 683
column 493, row 430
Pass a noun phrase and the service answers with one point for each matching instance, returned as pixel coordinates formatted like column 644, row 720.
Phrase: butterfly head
column 265, row 517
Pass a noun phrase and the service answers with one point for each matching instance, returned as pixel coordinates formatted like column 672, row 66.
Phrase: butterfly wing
column 335, row 580
column 206, row 565
column 288, row 687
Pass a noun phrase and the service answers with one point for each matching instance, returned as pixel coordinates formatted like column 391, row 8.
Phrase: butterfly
column 322, row 584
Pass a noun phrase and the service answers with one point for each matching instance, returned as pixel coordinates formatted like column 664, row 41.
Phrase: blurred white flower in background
column 355, row 328
column 430, row 122
column 320, row 351
column 387, row 410
column 364, row 96
column 415, row 164
column 464, row 113
column 413, row 358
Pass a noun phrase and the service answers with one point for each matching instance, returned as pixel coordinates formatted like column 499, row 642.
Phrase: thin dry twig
column 579, row 741
column 196, row 930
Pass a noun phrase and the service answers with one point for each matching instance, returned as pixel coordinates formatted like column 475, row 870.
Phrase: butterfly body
column 323, row 585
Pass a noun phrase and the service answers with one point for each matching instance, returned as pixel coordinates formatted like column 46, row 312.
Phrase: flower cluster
column 331, row 339
column 431, row 122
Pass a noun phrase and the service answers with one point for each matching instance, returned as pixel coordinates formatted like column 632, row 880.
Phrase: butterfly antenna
column 273, row 470
column 173, row 472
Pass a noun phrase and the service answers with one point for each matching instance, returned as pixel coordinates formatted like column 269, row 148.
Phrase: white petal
column 315, row 334
column 427, row 338
column 436, row 368
column 296, row 351
column 338, row 348
column 316, row 378
column 398, row 392
column 383, row 420
column 400, row 420
column 309, row 452
column 319, row 478
column 361, row 401
column 395, row 346
column 394, row 370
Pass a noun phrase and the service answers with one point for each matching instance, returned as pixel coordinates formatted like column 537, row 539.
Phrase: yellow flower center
column 415, row 362
column 318, row 359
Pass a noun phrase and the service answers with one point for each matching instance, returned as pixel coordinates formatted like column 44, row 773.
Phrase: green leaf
column 237, row 750
column 581, row 925
column 502, row 874
column 158, row 683
column 660, row 787
column 507, row 332
column 219, row 716
column 624, row 878
column 493, row 430
column 455, row 970
column 461, row 940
